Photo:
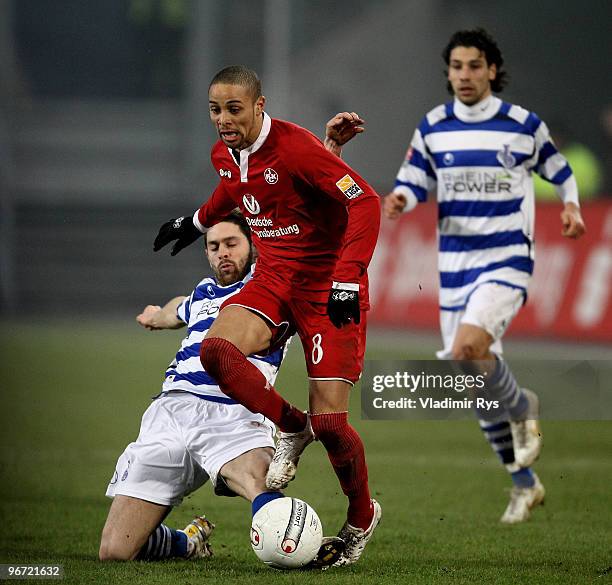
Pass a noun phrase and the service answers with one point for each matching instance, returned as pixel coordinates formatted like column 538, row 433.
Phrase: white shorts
column 183, row 441
column 491, row 306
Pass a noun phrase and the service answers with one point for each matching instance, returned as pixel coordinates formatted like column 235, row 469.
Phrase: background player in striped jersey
column 192, row 432
column 479, row 152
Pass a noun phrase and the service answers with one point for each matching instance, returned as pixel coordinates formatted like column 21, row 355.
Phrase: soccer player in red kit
column 314, row 223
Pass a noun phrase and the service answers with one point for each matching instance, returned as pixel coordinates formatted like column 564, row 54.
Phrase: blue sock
column 523, row 478
column 164, row 543
column 178, row 544
column 263, row 498
column 499, row 436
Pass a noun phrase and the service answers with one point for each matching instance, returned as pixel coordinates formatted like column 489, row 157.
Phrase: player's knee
column 459, row 352
column 110, row 550
column 107, row 554
column 208, row 354
column 214, row 356
column 329, row 427
column 468, row 351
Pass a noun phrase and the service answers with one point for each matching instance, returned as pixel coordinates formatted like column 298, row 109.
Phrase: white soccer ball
column 286, row 533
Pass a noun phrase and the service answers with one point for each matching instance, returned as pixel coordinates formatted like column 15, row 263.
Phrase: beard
column 232, row 272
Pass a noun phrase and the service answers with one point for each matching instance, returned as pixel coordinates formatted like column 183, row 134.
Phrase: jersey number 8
column 317, row 350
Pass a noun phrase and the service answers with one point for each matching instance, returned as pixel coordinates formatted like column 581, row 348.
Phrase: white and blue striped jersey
column 480, row 159
column 198, row 311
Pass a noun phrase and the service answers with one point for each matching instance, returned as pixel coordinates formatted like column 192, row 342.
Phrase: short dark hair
column 239, row 75
column 484, row 42
column 238, row 219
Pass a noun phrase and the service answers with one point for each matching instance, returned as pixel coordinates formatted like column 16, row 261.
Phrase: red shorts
column 330, row 353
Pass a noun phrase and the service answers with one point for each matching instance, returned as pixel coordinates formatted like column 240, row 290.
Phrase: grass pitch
column 72, row 397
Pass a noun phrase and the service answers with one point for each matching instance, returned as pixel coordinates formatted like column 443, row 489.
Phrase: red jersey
column 312, row 217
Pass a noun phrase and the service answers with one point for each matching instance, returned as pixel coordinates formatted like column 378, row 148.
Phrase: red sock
column 347, row 456
column 241, row 380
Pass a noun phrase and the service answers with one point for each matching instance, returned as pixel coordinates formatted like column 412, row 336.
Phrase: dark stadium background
column 104, row 134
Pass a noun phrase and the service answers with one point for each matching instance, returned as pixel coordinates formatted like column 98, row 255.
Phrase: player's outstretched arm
column 573, row 224
column 154, row 317
column 344, row 126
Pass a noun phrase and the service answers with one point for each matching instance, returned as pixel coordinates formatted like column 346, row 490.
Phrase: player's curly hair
column 237, row 218
column 484, row 42
column 239, row 75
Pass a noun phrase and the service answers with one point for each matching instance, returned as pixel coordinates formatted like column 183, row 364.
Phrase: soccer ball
column 286, row 533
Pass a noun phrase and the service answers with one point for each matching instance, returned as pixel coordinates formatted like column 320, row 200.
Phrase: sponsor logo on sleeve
column 348, row 186
column 225, row 173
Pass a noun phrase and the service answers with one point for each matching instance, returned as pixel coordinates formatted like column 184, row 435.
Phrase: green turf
column 72, row 397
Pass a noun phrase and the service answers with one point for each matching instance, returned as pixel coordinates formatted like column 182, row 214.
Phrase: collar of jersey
column 263, row 134
column 483, row 110
column 245, row 152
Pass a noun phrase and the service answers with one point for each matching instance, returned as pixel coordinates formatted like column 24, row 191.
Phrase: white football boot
column 289, row 447
column 357, row 538
column 198, row 532
column 526, row 434
column 522, row 501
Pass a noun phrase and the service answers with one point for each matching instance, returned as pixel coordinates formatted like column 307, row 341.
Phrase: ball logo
column 289, row 545
column 449, row 159
column 255, row 539
column 271, row 176
column 225, row 173
column 251, row 204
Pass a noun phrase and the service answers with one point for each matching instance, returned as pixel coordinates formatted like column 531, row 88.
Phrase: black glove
column 343, row 304
column 180, row 229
